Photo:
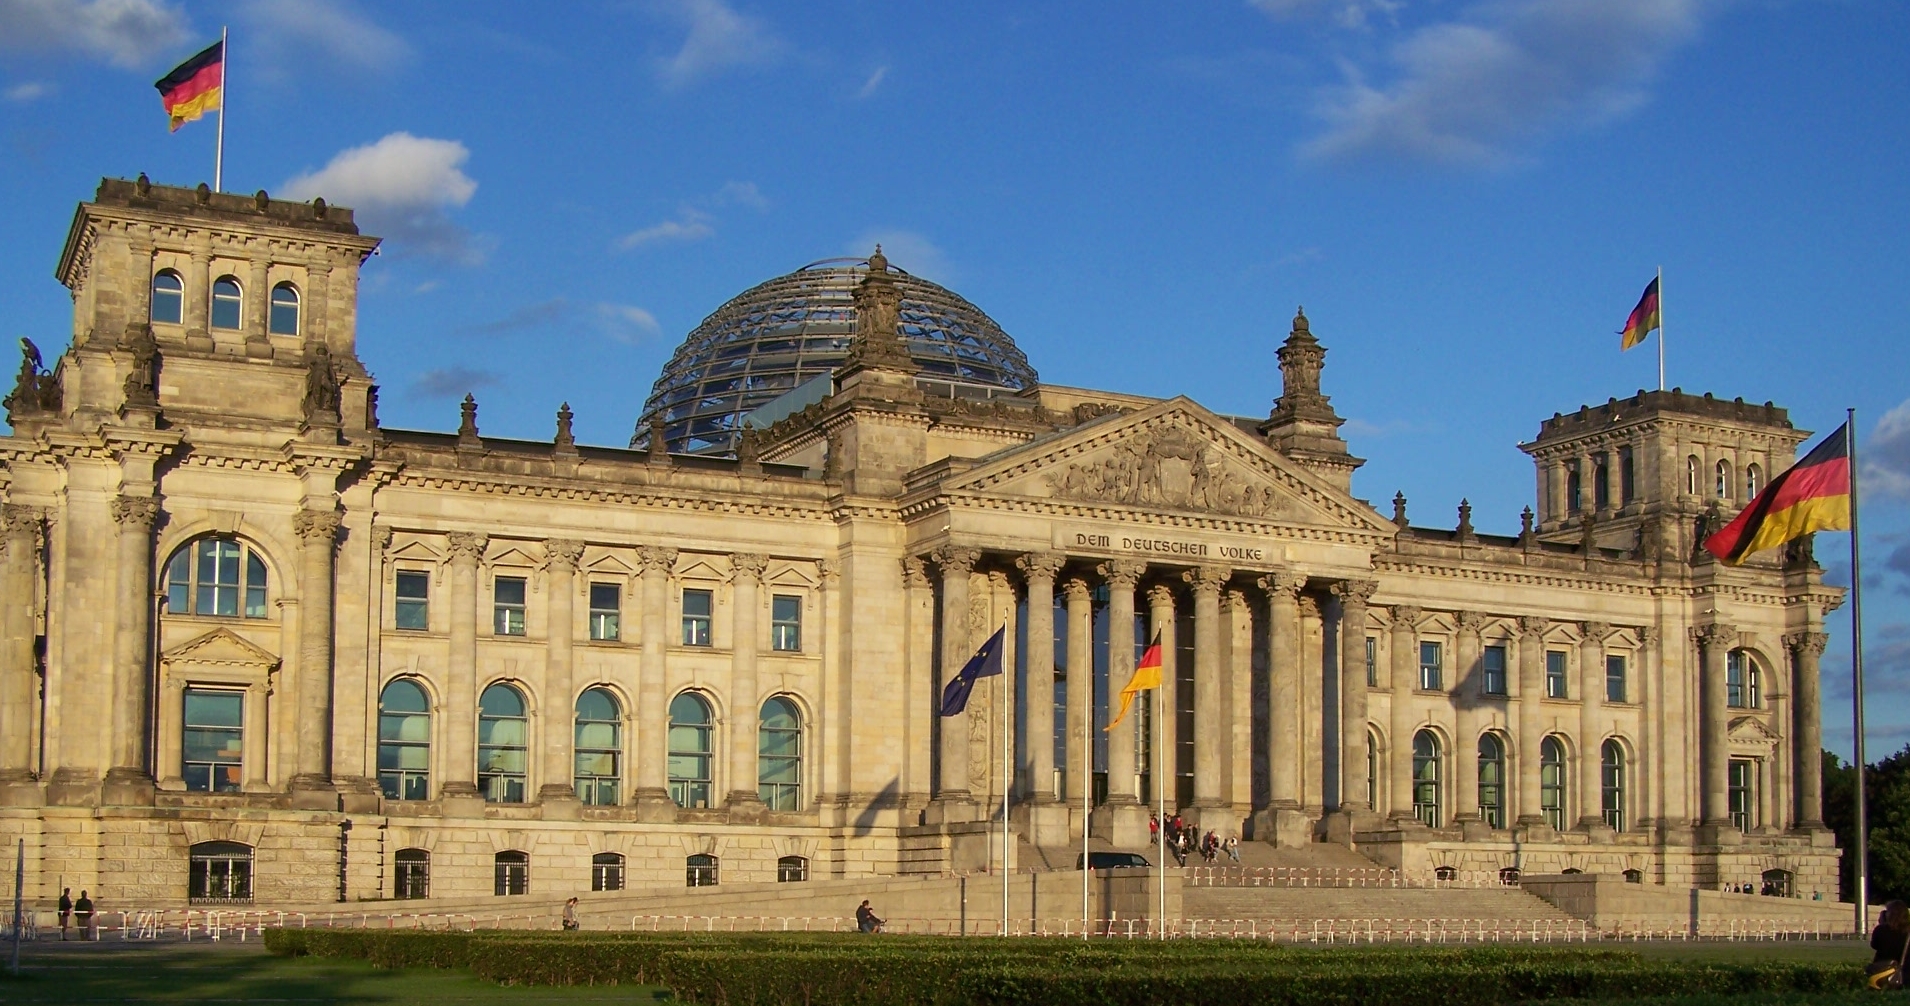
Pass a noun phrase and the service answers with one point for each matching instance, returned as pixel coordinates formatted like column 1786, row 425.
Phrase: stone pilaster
column 1466, row 691
column 1405, row 672
column 459, row 792
column 919, row 683
column 1038, row 570
column 1591, row 728
column 652, row 795
column 1531, row 723
column 744, row 802
column 1807, row 649
column 1714, row 721
column 20, row 538
column 558, row 792
column 1162, row 718
column 128, row 780
column 1283, row 689
column 318, row 543
column 1211, row 729
column 1354, row 780
column 1080, row 752
column 953, row 802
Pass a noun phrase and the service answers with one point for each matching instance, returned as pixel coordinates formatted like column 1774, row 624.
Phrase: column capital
column 749, row 565
column 1594, row 632
column 1355, row 591
column 956, row 560
column 467, row 546
column 829, row 569
column 1469, row 621
column 380, row 538
column 656, row 558
column 136, row 513
column 1648, row 634
column 1716, row 633
column 1533, row 626
column 1406, row 616
column 914, row 571
column 18, row 518
column 1807, row 643
column 562, row 554
column 1160, row 595
column 1123, row 573
column 1076, row 589
column 999, row 580
column 1285, row 584
column 1235, row 599
column 317, row 527
column 1207, row 578
column 1040, row 565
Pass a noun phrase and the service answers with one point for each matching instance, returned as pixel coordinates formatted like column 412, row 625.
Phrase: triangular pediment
column 414, row 551
column 1173, row 456
column 221, row 647
column 1751, row 729
column 697, row 569
column 513, row 557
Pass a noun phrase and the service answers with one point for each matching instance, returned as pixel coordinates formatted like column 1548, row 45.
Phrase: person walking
column 570, row 914
column 866, row 922
column 66, row 910
column 83, row 913
column 1233, row 848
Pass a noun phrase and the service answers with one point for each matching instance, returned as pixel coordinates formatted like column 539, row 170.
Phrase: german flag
column 1813, row 495
column 194, row 87
column 1643, row 318
column 1147, row 675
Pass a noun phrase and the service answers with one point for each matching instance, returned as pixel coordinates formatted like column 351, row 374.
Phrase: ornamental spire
column 878, row 342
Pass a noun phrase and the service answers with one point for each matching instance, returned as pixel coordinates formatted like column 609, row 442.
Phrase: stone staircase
column 1506, row 906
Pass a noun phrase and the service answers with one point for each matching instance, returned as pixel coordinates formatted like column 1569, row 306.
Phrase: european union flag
column 985, row 662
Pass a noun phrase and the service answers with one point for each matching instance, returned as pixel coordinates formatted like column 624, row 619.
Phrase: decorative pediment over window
column 221, row 648
column 1175, row 455
column 1751, row 735
column 696, row 568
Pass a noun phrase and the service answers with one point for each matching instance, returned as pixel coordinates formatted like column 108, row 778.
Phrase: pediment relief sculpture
column 1172, row 467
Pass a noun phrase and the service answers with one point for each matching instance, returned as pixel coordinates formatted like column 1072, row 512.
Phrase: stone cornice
column 743, row 505
column 1140, row 517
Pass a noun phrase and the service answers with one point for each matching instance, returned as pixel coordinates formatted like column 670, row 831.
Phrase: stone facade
column 253, row 632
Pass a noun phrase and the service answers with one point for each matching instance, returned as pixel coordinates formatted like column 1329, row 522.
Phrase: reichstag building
column 260, row 647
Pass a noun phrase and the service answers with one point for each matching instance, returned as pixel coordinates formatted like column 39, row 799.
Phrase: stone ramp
column 1506, row 906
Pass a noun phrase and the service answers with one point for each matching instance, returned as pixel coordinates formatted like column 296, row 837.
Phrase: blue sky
column 1467, row 195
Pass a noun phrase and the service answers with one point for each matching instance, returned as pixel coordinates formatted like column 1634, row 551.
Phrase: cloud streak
column 1886, row 455
column 329, row 31
column 720, row 38
column 1475, row 91
column 451, row 382
column 402, row 187
column 127, row 33
column 689, row 225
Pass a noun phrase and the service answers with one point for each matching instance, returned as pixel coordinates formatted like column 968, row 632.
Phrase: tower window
column 1753, row 480
column 1601, row 483
column 228, row 302
column 1574, row 487
column 1627, row 477
column 215, row 576
column 169, row 298
column 1724, row 480
column 1691, row 475
column 1615, row 678
column 284, row 314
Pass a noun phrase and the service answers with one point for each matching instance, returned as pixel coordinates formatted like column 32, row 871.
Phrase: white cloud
column 1886, row 454
column 331, row 31
column 402, row 187
column 1345, row 13
column 741, row 194
column 627, row 322
column 31, row 90
column 1471, row 91
column 909, row 251
column 874, row 81
column 720, row 38
column 689, row 225
column 128, row 33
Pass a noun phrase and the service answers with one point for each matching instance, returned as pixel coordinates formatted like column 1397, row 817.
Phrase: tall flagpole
column 1661, row 328
column 1857, row 681
column 218, row 156
column 1160, row 800
column 1007, row 730
column 1086, row 776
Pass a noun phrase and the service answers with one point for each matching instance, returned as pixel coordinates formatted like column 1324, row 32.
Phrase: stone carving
column 749, row 565
column 1122, row 573
column 563, row 554
column 1040, row 565
column 1354, row 593
column 1208, row 578
column 1716, row 634
column 828, row 569
column 1647, row 635
column 1469, row 621
column 1465, row 519
column 564, row 441
column 141, row 385
column 749, row 449
column 1290, row 584
column 1399, row 509
column 467, row 546
column 34, row 389
column 467, row 422
column 136, row 512
column 380, row 538
column 1086, row 411
column 1161, row 596
column 317, row 527
column 1527, row 536
column 1594, row 631
column 1076, row 589
column 1406, row 616
column 914, row 571
column 956, row 561
column 878, row 336
column 1811, row 643
column 656, row 558
column 321, row 385
column 1172, row 467
column 1533, row 626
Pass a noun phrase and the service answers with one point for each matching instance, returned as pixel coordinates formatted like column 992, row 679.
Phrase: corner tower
column 1303, row 425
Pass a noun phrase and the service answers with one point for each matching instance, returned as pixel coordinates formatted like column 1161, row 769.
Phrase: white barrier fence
column 1327, row 876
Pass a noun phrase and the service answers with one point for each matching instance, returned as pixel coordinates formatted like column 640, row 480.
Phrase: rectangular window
column 785, row 623
column 1372, row 662
column 606, row 611
column 606, row 872
column 696, row 618
column 413, row 610
column 1430, row 662
column 1574, row 487
column 1614, row 678
column 214, row 740
column 1492, row 663
column 1741, row 793
column 1555, row 662
column 1740, row 682
column 1627, row 476
column 507, row 593
column 1601, row 483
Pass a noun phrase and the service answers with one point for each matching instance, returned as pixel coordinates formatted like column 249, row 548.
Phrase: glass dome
column 775, row 336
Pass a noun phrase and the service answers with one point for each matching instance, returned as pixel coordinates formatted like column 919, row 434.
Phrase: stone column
column 1124, row 822
column 1210, row 728
column 558, row 793
column 746, row 583
column 172, row 735
column 919, row 685
column 318, row 543
column 256, row 302
column 953, row 802
column 1162, row 625
column 652, row 795
column 460, row 680
column 1591, row 729
column 1648, row 777
column 1080, row 750
column 1283, row 688
column 198, row 295
column 1354, row 781
column 1531, row 725
column 1466, row 690
column 128, row 780
column 255, row 746
column 1039, row 571
column 1405, row 667
column 1714, row 718
column 20, row 538
column 1807, row 649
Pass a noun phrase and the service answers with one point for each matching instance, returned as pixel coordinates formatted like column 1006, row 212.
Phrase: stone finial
column 318, row 208
column 260, row 200
column 564, row 441
column 1465, row 518
column 878, row 262
column 749, row 450
column 467, row 422
column 1399, row 510
column 659, row 442
column 34, row 389
column 1527, row 536
column 878, row 342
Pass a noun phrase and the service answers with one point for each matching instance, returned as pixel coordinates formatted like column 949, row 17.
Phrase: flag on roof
column 1643, row 318
column 194, row 87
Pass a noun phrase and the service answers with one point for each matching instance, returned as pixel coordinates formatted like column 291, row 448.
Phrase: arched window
column 700, row 870
column 1753, row 480
column 779, row 755
column 1724, row 480
column 1574, row 487
column 599, row 748
column 606, row 872
column 284, row 313
column 1372, row 771
column 1691, row 475
column 1627, row 477
column 169, row 298
column 502, row 730
column 1552, row 782
column 215, row 576
column 511, row 873
column 404, row 741
column 1612, row 783
column 1741, row 681
column 413, row 879
column 228, row 302
column 220, row 873
column 690, row 721
column 1492, row 780
column 792, row 869
column 1426, row 778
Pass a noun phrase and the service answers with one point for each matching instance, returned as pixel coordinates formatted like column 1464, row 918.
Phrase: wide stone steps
column 1285, row 904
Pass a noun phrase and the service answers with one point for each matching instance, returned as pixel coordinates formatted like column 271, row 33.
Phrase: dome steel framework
column 773, row 337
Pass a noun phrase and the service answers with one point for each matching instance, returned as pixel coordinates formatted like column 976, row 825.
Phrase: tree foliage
column 1887, row 797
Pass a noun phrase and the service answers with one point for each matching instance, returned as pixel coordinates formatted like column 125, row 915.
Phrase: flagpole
column 1007, row 718
column 1086, row 771
column 218, row 156
column 1160, row 798
column 1661, row 328
column 1857, row 681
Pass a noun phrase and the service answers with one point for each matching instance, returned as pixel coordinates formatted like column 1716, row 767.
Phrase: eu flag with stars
column 985, row 662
